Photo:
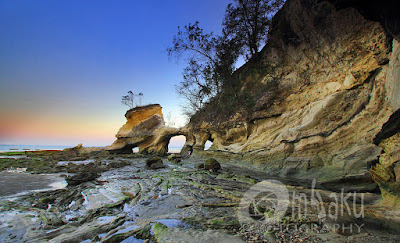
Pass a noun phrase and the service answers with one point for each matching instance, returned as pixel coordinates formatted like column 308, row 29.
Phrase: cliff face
column 336, row 82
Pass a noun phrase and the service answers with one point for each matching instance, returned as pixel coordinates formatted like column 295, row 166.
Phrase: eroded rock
column 154, row 163
column 386, row 173
column 174, row 158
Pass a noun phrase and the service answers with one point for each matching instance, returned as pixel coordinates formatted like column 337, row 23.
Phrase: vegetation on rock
column 130, row 101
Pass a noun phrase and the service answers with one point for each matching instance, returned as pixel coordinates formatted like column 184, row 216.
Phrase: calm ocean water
column 9, row 148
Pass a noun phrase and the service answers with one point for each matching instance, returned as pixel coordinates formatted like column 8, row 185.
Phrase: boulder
column 117, row 164
column 212, row 164
column 175, row 158
column 154, row 163
column 81, row 177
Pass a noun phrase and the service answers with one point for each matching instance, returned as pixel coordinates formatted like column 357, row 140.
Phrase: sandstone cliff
column 331, row 80
column 141, row 122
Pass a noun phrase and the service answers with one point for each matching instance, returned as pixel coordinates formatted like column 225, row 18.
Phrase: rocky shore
column 112, row 198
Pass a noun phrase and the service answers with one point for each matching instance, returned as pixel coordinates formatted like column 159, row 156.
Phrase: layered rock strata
column 145, row 128
column 337, row 76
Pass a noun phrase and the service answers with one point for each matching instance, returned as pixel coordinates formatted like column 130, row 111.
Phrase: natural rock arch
column 206, row 147
column 145, row 128
column 163, row 137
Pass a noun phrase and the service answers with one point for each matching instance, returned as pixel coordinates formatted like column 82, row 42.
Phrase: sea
column 10, row 148
column 18, row 148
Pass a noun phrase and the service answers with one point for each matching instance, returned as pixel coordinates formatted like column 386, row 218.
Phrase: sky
column 65, row 64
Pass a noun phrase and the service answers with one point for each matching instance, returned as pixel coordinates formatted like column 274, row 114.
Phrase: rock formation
column 387, row 172
column 145, row 128
column 324, row 85
column 335, row 76
column 139, row 128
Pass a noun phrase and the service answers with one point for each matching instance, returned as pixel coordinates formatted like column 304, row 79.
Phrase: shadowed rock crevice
column 389, row 129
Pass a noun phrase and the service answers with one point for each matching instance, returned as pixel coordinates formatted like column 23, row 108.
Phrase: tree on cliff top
column 197, row 85
column 130, row 101
column 247, row 21
column 211, row 59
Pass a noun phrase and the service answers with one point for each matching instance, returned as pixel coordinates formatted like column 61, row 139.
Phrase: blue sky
column 64, row 65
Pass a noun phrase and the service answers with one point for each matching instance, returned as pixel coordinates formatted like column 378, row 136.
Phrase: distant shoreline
column 21, row 149
column 31, row 148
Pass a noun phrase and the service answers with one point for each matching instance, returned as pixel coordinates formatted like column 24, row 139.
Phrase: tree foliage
column 211, row 59
column 247, row 21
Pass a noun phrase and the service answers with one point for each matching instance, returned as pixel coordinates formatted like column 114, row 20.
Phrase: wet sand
column 12, row 183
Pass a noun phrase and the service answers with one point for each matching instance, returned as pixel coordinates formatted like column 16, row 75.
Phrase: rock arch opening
column 208, row 144
column 176, row 143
